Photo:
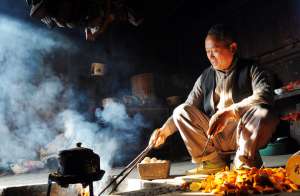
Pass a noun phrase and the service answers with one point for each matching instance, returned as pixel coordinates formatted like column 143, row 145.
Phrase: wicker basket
column 151, row 171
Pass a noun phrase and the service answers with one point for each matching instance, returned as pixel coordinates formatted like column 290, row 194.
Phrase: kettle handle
column 79, row 144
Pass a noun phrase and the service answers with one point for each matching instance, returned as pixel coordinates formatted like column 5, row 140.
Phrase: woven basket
column 151, row 171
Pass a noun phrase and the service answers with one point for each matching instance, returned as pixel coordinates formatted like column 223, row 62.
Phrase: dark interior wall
column 265, row 26
column 269, row 32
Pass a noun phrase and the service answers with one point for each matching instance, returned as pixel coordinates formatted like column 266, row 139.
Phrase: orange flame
column 85, row 191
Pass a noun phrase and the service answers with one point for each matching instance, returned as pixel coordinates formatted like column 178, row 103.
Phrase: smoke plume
column 36, row 106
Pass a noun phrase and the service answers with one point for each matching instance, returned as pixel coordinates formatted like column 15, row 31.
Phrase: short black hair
column 223, row 32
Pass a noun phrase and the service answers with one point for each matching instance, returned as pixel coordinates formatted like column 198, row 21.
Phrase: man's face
column 219, row 53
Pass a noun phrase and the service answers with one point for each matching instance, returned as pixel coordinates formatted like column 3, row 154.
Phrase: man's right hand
column 157, row 138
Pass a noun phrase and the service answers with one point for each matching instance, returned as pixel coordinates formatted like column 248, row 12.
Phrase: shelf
column 294, row 93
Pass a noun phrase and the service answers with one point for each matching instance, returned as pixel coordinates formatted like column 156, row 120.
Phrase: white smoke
column 35, row 106
column 26, row 101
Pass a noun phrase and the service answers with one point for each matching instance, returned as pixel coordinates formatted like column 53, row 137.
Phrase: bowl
column 279, row 147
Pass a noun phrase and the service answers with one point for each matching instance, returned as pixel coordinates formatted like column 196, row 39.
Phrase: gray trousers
column 244, row 137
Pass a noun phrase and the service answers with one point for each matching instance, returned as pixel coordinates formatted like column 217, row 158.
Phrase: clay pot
column 142, row 85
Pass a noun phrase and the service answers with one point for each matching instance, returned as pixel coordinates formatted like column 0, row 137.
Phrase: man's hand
column 157, row 138
column 219, row 120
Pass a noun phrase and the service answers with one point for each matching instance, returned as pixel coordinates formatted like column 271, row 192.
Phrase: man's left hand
column 219, row 120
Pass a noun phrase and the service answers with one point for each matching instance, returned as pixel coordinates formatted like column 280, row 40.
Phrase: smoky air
column 37, row 113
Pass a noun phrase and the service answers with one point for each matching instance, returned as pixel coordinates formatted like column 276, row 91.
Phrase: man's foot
column 207, row 167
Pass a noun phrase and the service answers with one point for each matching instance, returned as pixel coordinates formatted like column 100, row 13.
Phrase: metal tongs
column 209, row 137
column 205, row 147
column 125, row 172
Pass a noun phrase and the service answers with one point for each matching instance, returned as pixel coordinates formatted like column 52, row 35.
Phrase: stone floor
column 132, row 184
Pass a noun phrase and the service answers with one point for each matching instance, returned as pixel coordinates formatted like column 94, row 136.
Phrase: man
column 232, row 101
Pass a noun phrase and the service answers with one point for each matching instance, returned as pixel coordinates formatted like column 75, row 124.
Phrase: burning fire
column 85, row 191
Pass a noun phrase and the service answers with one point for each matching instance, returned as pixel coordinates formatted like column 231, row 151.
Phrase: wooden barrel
column 142, row 85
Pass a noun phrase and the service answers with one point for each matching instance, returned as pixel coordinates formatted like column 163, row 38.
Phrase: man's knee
column 269, row 118
column 182, row 110
column 263, row 121
column 264, row 112
column 261, row 111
